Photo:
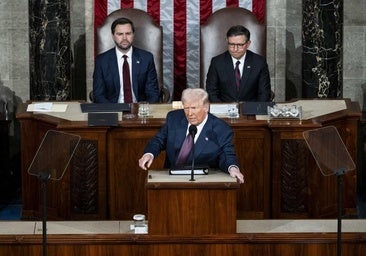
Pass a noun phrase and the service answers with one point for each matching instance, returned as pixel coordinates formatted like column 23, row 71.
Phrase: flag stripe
column 193, row 42
column 180, row 20
column 232, row 3
column 100, row 10
column 166, row 21
column 180, row 49
column 126, row 4
column 205, row 10
column 258, row 8
column 153, row 8
column 247, row 4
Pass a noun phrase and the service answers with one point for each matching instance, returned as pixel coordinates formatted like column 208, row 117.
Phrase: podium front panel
column 177, row 206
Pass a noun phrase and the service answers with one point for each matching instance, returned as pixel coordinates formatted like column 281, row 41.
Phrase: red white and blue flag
column 180, row 20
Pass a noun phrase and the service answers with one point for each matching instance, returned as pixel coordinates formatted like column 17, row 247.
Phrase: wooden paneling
column 127, row 194
column 191, row 208
column 253, row 149
column 249, row 244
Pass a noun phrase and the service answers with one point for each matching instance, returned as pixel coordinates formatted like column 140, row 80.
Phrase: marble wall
column 354, row 51
column 322, row 44
column 284, row 47
column 50, row 54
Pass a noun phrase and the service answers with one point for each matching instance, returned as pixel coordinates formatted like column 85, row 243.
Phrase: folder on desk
column 104, row 107
column 186, row 170
column 102, row 119
column 256, row 107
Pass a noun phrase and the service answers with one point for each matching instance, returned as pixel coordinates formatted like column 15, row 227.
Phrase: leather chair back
column 148, row 36
column 213, row 35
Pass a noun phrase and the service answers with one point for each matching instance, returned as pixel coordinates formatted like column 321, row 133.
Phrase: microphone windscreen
column 192, row 130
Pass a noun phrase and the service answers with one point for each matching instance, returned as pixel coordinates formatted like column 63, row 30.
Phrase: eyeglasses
column 232, row 45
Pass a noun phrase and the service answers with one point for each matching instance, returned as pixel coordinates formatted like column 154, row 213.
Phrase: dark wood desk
column 105, row 182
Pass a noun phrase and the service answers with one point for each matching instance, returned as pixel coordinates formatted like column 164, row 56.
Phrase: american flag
column 180, row 20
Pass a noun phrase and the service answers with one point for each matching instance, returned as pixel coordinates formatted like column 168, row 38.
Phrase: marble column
column 50, row 54
column 322, row 35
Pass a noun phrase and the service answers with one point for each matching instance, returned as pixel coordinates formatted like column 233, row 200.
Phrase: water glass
column 232, row 111
column 144, row 109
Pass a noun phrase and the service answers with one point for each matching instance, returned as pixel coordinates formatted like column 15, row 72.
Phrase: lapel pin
column 248, row 66
column 206, row 138
column 138, row 62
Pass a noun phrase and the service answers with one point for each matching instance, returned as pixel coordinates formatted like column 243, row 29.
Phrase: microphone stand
column 192, row 167
column 192, row 131
column 44, row 177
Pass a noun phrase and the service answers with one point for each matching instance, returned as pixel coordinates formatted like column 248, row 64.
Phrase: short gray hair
column 196, row 94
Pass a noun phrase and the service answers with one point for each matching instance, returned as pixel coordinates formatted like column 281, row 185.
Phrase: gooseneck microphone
column 192, row 131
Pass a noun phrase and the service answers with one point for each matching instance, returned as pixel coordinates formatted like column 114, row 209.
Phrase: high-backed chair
column 213, row 35
column 148, row 36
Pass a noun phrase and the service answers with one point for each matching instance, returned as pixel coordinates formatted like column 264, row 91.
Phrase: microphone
column 192, row 131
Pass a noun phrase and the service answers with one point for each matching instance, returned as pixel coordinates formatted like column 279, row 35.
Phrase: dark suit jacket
column 106, row 81
column 214, row 145
column 255, row 81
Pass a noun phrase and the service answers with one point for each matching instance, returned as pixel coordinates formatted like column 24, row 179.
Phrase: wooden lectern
column 177, row 206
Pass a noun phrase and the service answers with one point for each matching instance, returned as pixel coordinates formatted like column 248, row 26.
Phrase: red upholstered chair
column 148, row 36
column 213, row 35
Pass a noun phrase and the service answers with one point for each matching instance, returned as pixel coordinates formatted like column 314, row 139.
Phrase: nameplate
column 104, row 107
column 102, row 119
column 256, row 107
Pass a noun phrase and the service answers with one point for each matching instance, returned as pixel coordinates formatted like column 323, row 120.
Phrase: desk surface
column 215, row 178
column 123, row 227
column 311, row 108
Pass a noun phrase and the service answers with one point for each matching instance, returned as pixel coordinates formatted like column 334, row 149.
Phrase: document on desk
column 219, row 109
column 46, row 107
column 187, row 171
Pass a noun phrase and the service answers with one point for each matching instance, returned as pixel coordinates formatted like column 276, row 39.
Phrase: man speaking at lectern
column 212, row 137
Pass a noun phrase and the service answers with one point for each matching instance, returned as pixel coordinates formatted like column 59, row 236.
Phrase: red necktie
column 185, row 150
column 237, row 75
column 126, row 81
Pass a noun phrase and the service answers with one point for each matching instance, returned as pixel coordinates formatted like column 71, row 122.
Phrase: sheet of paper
column 187, row 172
column 47, row 107
column 220, row 109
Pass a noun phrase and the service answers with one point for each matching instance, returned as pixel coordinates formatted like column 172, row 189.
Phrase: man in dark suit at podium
column 213, row 137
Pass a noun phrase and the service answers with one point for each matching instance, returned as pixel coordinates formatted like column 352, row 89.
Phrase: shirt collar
column 199, row 127
column 120, row 54
column 242, row 59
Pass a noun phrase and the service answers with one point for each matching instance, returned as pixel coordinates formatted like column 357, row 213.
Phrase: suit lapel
column 202, row 140
column 136, row 59
column 229, row 70
column 246, row 70
column 180, row 135
column 114, row 69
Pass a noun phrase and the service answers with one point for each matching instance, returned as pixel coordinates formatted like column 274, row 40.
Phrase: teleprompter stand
column 50, row 162
column 333, row 158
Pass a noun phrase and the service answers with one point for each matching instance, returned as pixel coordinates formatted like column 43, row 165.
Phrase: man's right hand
column 145, row 161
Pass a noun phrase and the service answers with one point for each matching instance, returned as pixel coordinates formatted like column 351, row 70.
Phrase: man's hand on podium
column 235, row 173
column 146, row 160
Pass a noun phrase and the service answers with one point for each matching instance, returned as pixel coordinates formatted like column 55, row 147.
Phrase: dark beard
column 124, row 49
